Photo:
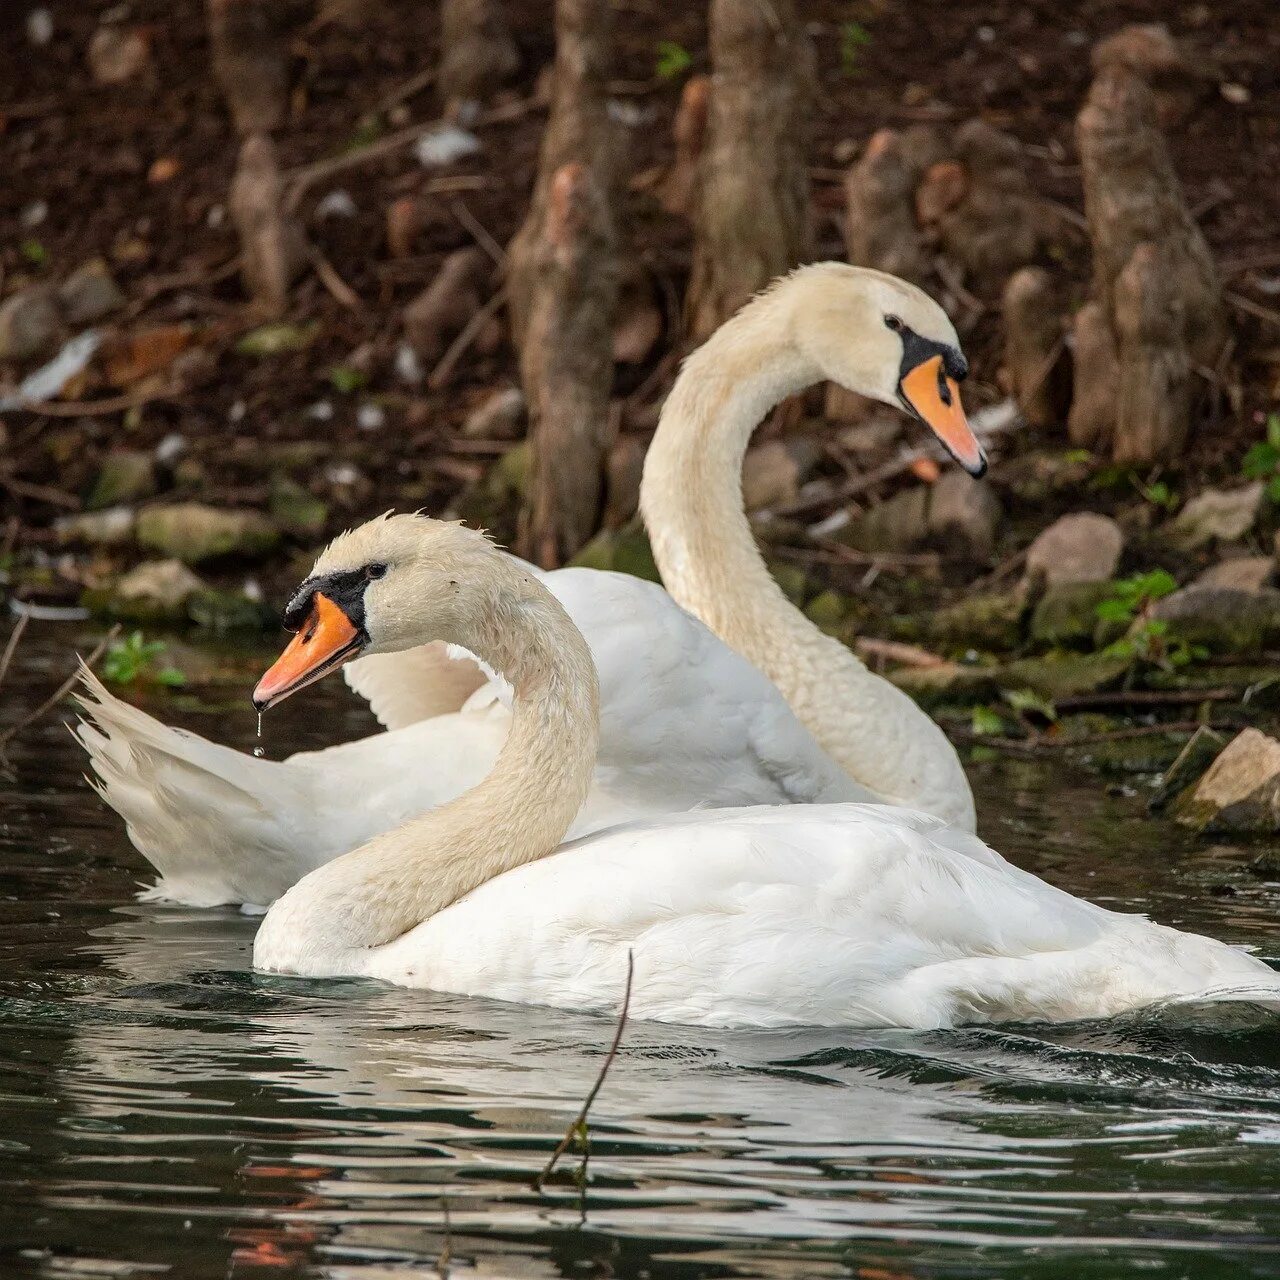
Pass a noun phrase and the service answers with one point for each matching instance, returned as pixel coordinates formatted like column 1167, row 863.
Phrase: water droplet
column 259, row 724
column 259, row 752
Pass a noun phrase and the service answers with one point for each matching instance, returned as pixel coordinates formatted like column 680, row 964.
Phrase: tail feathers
column 219, row 826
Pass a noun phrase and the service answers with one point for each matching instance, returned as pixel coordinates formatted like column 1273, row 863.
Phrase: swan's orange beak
column 936, row 398
column 324, row 642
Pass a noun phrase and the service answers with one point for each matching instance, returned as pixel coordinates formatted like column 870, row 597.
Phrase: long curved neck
column 691, row 494
column 519, row 813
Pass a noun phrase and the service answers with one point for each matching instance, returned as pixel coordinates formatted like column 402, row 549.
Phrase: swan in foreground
column 801, row 914
column 221, row 826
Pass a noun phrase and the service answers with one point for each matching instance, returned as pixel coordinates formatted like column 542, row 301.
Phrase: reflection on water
column 164, row 1111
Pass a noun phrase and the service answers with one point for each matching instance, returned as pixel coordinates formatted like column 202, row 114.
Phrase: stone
column 898, row 525
column 1241, row 573
column 950, row 683
column 28, row 324
column 1217, row 515
column 989, row 621
column 89, row 293
column 624, row 550
column 827, row 610
column 1241, row 790
column 1067, row 614
column 771, row 476
column 193, row 532
column 1192, row 763
column 117, row 54
column 964, row 516
column 1082, row 547
column 295, row 509
column 224, row 611
column 111, row 528
column 125, row 476
column 500, row 416
column 153, row 594
column 1221, row 619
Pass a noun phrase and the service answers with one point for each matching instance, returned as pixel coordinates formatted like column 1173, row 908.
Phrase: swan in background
column 221, row 826
column 870, row 333
column 825, row 914
column 685, row 722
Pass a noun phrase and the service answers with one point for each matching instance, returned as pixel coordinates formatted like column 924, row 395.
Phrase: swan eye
column 374, row 571
column 893, row 323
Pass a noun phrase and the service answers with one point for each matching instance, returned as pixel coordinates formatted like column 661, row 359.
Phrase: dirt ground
column 137, row 174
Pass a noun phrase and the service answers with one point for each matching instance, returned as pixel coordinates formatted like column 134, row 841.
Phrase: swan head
column 885, row 339
column 393, row 583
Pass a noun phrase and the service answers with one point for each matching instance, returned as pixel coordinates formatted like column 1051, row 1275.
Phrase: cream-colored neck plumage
column 691, row 499
column 519, row 813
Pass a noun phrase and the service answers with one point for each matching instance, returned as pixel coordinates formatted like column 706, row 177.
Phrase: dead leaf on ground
column 128, row 358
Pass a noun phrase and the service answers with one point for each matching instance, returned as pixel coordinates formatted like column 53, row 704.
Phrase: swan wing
column 846, row 914
column 415, row 684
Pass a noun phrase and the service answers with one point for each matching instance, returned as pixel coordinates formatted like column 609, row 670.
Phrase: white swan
column 685, row 722
column 803, row 914
column 221, row 826
column 885, row 339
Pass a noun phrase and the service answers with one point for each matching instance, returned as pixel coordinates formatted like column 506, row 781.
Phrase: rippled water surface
column 163, row 1111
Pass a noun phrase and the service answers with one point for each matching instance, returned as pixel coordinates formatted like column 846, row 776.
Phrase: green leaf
column 1026, row 700
column 1077, row 455
column 171, row 677
column 34, row 252
column 346, row 379
column 1273, row 490
column 1114, row 610
column 673, row 60
column 1273, row 431
column 987, row 722
column 1261, row 459
column 853, row 38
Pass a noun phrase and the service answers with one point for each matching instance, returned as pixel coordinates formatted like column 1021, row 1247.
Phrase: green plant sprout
column 673, row 60
column 986, row 722
column 1262, row 462
column 854, row 37
column 134, row 659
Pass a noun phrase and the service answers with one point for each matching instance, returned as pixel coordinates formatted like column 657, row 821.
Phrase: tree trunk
column 1153, row 400
column 1132, row 196
column 249, row 61
column 753, row 204
column 566, row 364
column 272, row 244
column 1091, row 422
column 578, row 132
column 477, row 52
column 1034, row 364
column 880, row 228
column 679, row 189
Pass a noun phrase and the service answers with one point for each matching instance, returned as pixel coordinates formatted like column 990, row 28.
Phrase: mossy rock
column 1063, row 675
column 792, row 579
column 296, row 510
column 1221, row 619
column 193, row 533
column 1067, row 615
column 125, row 476
column 992, row 621
column 492, row 502
column 225, row 611
column 624, row 550
column 828, row 610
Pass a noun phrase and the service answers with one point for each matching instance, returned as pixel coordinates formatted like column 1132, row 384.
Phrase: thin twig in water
column 1147, row 698
column 1031, row 746
column 57, row 696
column 457, row 348
column 578, row 1126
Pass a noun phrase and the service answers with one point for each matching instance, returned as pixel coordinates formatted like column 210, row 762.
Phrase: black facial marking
column 916, row 350
column 346, row 589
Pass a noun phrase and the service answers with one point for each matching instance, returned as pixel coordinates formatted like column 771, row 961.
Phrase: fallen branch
column 1030, row 746
column 909, row 655
column 1146, row 698
column 578, row 1128
column 1249, row 307
column 39, row 492
column 329, row 277
column 457, row 348
column 11, row 646
column 479, row 233
column 58, row 694
column 88, row 408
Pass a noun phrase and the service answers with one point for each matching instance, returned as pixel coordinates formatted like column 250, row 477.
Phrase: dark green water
column 163, row 1111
